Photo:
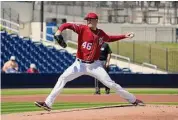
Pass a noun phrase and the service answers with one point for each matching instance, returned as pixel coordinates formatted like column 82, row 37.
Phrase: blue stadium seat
column 47, row 59
column 126, row 70
column 114, row 69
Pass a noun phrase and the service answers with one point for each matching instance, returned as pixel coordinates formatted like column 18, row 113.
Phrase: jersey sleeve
column 75, row 27
column 112, row 38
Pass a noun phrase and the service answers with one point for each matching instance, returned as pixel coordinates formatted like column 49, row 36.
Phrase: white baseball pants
column 96, row 70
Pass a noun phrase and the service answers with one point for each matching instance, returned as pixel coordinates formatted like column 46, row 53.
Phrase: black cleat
column 97, row 93
column 138, row 103
column 42, row 105
column 107, row 92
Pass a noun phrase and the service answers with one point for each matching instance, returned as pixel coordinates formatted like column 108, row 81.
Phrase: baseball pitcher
column 90, row 40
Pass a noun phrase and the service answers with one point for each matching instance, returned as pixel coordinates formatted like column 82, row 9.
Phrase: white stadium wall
column 24, row 9
column 25, row 15
column 150, row 33
column 144, row 33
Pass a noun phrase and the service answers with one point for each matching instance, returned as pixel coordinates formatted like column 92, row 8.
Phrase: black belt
column 89, row 62
column 102, row 60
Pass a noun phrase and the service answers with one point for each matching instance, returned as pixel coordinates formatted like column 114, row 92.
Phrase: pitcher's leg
column 67, row 76
column 103, row 77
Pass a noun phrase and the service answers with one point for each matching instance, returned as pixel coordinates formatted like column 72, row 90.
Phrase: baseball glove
column 60, row 40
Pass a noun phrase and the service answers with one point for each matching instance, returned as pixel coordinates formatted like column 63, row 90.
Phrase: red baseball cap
column 91, row 16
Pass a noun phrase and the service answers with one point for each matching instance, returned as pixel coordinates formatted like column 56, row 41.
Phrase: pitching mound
column 124, row 112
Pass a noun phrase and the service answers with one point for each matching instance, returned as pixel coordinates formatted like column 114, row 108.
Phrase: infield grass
column 16, row 107
column 87, row 91
column 11, row 107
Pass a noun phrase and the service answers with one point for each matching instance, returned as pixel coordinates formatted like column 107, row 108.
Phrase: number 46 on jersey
column 87, row 45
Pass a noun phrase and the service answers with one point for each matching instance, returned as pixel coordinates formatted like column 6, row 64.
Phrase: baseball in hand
column 130, row 35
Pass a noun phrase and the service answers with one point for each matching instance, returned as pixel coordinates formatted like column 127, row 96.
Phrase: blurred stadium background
column 27, row 28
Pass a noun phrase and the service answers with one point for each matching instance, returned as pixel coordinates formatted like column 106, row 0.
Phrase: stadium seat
column 47, row 59
column 114, row 69
column 126, row 70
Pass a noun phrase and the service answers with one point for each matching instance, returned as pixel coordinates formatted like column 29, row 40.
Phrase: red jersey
column 89, row 41
column 30, row 70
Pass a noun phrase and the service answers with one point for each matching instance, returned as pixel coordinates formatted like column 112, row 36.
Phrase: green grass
column 154, row 53
column 83, row 91
column 16, row 107
column 166, row 45
column 11, row 107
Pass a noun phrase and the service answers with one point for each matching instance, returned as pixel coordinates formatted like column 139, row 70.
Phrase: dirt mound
column 148, row 112
column 90, row 98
